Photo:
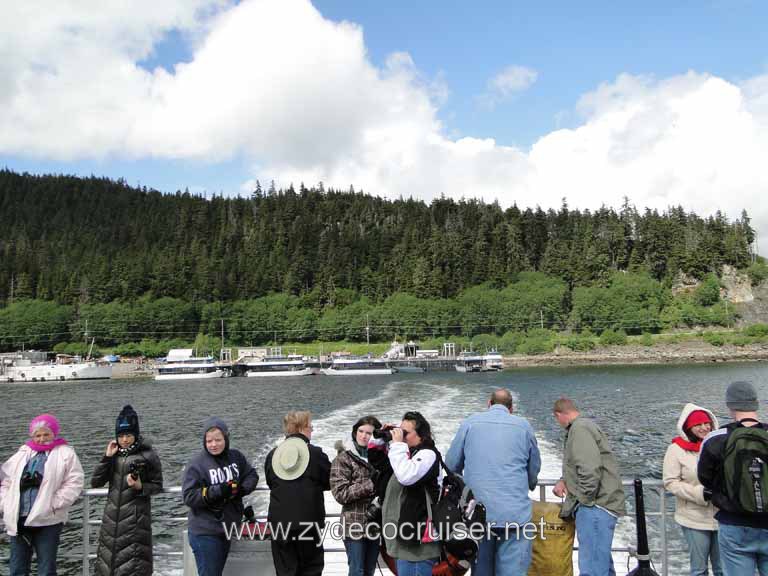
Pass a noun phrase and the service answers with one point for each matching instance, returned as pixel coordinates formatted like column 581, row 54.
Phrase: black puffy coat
column 125, row 540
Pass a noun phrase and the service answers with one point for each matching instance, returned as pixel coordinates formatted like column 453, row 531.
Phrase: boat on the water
column 181, row 364
column 65, row 367
column 291, row 365
column 352, row 366
column 469, row 361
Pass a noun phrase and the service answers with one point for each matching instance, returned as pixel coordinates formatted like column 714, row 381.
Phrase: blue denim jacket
column 499, row 458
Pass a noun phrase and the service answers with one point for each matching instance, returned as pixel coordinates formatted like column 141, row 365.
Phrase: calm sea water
column 636, row 406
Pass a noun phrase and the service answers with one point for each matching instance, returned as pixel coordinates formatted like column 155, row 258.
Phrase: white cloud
column 296, row 95
column 511, row 80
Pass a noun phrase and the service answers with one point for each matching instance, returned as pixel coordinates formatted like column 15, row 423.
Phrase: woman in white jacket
column 40, row 484
column 694, row 511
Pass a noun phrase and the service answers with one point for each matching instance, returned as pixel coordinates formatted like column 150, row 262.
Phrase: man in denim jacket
column 500, row 460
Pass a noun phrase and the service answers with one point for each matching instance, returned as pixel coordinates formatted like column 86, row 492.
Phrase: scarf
column 45, row 447
column 687, row 444
column 131, row 449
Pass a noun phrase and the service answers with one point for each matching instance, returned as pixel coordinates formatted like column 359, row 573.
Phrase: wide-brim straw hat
column 290, row 459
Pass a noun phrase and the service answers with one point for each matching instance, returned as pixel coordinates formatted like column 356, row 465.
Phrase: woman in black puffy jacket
column 132, row 469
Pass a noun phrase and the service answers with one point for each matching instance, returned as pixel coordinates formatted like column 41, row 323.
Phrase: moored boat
column 64, row 368
column 181, row 364
column 351, row 366
column 291, row 365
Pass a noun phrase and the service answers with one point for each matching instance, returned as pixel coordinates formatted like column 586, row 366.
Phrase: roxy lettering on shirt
column 224, row 475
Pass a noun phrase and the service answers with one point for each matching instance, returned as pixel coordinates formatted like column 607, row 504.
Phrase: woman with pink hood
column 40, row 484
column 694, row 511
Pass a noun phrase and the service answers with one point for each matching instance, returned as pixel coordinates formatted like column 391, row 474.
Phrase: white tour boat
column 349, row 366
column 180, row 364
column 291, row 365
column 64, row 368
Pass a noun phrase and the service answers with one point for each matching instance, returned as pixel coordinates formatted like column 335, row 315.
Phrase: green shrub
column 510, row 341
column 579, row 343
column 646, row 339
column 613, row 338
column 708, row 292
column 758, row 272
column 714, row 339
column 741, row 340
column 534, row 345
column 758, row 330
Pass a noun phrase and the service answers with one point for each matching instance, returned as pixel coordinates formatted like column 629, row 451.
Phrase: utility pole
column 222, row 336
column 541, row 316
column 10, row 301
column 367, row 331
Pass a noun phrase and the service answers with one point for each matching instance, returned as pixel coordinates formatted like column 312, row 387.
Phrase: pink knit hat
column 47, row 420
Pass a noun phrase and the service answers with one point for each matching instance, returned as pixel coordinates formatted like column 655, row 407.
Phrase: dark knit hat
column 127, row 422
column 742, row 397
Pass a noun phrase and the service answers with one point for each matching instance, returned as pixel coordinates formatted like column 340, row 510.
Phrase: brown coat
column 352, row 487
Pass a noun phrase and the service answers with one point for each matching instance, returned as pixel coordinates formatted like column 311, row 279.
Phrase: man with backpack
column 733, row 467
column 499, row 457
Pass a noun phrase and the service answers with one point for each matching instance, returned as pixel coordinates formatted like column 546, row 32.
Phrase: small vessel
column 492, row 361
column 278, row 365
column 181, row 364
column 469, row 361
column 64, row 368
column 357, row 366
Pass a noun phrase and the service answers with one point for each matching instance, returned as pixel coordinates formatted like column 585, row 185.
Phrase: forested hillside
column 315, row 263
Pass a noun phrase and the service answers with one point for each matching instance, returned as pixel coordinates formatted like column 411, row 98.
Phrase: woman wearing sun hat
column 693, row 511
column 40, row 484
column 297, row 475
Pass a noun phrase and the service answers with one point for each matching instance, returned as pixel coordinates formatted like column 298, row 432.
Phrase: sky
column 665, row 103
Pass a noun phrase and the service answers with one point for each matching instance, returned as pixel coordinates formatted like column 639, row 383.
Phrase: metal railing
column 662, row 552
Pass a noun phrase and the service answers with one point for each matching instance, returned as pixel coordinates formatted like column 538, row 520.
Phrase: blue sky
column 594, row 70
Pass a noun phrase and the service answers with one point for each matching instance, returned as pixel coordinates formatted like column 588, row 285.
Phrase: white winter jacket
column 680, row 478
column 61, row 486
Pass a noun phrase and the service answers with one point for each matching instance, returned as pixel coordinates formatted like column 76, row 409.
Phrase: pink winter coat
column 61, row 486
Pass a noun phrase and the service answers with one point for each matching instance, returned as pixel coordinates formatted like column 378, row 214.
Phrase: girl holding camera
column 416, row 467
column 132, row 468
column 39, row 485
column 353, row 486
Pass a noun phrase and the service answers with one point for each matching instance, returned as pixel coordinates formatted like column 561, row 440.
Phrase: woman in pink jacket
column 40, row 484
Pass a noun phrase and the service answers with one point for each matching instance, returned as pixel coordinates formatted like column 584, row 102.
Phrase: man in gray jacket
column 592, row 488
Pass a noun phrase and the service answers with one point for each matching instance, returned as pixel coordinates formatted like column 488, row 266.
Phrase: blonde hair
column 565, row 405
column 294, row 422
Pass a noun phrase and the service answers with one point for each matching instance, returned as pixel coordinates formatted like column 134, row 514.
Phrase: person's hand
column 389, row 426
column 134, row 483
column 111, row 449
column 560, row 490
column 229, row 490
column 397, row 435
column 214, row 494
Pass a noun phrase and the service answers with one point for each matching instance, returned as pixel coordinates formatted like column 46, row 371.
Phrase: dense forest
column 312, row 263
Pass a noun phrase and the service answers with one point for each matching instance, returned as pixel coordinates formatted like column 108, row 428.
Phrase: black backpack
column 745, row 468
column 458, row 516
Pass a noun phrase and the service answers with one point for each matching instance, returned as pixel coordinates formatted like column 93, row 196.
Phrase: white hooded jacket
column 680, row 478
column 61, row 486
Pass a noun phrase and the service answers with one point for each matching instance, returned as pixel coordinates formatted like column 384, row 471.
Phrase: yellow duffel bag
column 553, row 554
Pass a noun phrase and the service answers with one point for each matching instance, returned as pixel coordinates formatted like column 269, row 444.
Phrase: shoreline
column 691, row 352
column 688, row 352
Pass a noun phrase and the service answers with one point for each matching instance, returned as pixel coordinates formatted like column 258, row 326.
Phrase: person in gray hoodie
column 213, row 486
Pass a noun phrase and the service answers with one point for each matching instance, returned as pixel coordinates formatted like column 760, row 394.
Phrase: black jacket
column 710, row 474
column 125, row 539
column 300, row 501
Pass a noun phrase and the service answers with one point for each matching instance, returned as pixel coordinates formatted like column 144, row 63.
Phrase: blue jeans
column 703, row 549
column 44, row 541
column 502, row 554
column 408, row 568
column 743, row 550
column 361, row 556
column 594, row 530
column 210, row 553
